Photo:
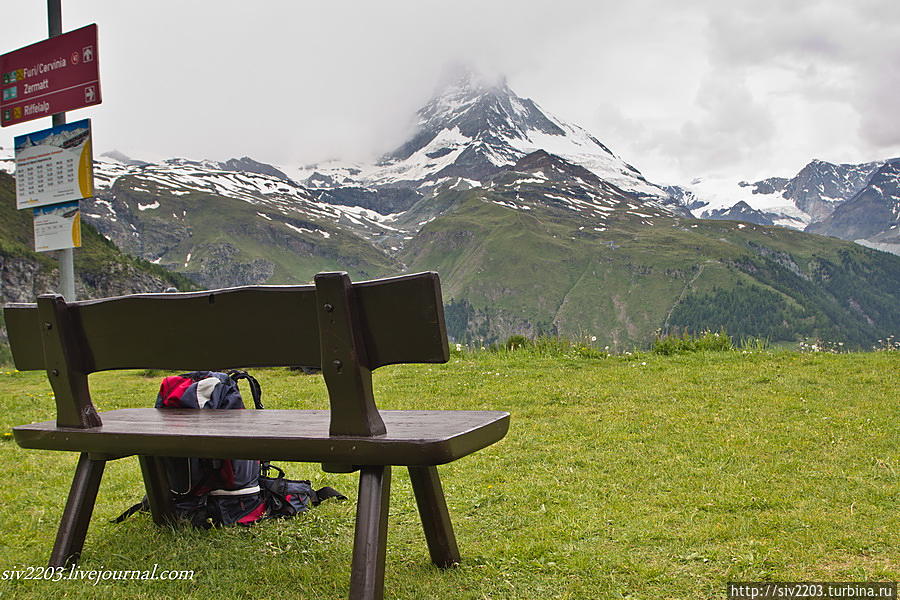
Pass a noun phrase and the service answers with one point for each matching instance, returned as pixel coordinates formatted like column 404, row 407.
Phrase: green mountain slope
column 542, row 247
column 101, row 269
column 220, row 241
column 546, row 270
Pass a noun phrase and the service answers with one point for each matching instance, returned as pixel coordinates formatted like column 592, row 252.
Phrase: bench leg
column 435, row 516
column 370, row 541
column 77, row 515
column 156, row 483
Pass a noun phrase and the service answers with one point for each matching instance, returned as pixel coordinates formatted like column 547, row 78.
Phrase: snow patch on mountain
column 7, row 163
column 717, row 194
column 179, row 177
column 578, row 146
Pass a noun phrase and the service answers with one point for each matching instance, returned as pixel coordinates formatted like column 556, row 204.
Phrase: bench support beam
column 67, row 362
column 156, row 483
column 345, row 365
column 435, row 517
column 370, row 542
column 77, row 515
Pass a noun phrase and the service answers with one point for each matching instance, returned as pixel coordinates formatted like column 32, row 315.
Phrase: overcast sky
column 678, row 89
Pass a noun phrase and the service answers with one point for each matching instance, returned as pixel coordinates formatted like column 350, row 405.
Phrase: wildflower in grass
column 821, row 346
column 887, row 345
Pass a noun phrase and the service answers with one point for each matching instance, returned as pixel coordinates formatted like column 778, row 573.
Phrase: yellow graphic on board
column 76, row 230
column 86, row 171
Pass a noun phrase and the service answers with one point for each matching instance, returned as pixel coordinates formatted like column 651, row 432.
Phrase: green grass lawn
column 642, row 477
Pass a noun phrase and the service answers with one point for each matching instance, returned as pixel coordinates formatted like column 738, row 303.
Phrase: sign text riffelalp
column 49, row 77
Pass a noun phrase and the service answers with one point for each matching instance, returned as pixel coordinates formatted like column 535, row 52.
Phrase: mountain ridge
column 806, row 201
column 872, row 214
column 534, row 232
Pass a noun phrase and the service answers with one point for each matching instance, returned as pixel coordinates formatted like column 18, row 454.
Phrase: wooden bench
column 347, row 329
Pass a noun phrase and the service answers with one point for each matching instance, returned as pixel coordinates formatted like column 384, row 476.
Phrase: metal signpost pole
column 67, row 255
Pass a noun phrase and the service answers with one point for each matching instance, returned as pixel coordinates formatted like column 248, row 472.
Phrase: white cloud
column 675, row 88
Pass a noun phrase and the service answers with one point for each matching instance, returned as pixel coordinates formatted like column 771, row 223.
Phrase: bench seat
column 413, row 438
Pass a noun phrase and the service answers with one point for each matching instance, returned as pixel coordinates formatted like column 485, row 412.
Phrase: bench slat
column 414, row 437
column 251, row 326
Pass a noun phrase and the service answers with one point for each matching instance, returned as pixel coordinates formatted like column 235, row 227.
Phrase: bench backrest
column 347, row 329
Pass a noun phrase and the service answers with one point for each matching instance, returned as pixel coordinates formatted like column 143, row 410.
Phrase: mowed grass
column 640, row 477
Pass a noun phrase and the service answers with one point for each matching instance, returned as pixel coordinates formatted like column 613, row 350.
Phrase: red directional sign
column 52, row 76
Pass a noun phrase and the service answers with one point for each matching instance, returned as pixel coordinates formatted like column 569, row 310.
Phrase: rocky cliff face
column 23, row 279
column 821, row 186
column 873, row 214
column 248, row 165
column 741, row 212
column 220, row 266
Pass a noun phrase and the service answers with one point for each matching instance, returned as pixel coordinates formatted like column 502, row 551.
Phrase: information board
column 54, row 165
column 57, row 227
column 52, row 76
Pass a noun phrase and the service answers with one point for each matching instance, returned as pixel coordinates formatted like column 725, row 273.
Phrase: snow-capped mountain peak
column 478, row 110
column 859, row 202
column 472, row 128
column 808, row 197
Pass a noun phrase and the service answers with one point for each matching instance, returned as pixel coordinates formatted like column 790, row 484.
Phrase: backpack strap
column 255, row 389
column 142, row 506
column 325, row 493
column 264, row 468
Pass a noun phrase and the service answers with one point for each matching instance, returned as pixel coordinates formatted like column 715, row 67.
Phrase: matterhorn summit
column 470, row 129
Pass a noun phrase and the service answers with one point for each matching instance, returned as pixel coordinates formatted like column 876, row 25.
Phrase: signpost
column 50, row 77
column 54, row 167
